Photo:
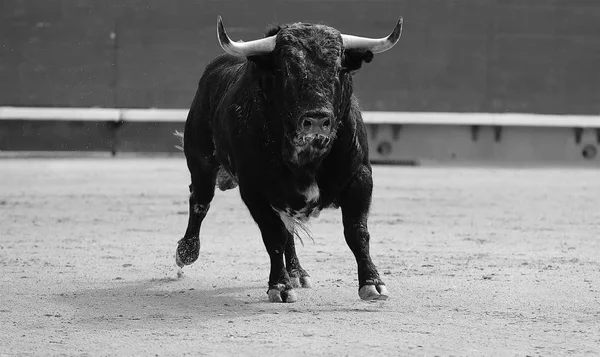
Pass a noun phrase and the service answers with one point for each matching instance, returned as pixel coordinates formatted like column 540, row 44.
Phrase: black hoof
column 188, row 250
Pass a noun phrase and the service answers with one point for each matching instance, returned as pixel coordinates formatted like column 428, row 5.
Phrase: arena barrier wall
column 394, row 137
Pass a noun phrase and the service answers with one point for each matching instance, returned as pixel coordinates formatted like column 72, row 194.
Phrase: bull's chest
column 302, row 209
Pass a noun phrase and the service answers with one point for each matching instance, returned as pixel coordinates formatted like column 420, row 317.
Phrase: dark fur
column 244, row 119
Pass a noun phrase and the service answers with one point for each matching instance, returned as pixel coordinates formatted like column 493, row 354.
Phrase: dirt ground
column 478, row 261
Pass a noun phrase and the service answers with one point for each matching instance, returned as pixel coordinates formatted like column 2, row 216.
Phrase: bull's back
column 218, row 77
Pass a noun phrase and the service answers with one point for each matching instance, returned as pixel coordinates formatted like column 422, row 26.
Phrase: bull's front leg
column 355, row 203
column 275, row 237
column 202, row 191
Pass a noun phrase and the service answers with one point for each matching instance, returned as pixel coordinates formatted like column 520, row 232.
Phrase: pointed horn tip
column 395, row 35
column 219, row 22
column 220, row 26
column 400, row 23
column 221, row 33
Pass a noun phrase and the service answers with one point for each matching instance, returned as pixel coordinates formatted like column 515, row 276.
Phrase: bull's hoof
column 301, row 282
column 279, row 293
column 305, row 282
column 373, row 292
column 188, row 250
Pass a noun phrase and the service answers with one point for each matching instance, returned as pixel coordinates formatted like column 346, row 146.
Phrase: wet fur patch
column 308, row 154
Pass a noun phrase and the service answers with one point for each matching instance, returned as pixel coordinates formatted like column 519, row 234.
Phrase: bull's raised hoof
column 188, row 250
column 373, row 292
column 281, row 293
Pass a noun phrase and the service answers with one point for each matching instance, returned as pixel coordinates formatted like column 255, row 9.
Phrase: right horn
column 375, row 45
column 243, row 49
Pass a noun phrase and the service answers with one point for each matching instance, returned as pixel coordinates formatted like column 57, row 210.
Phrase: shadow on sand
column 164, row 300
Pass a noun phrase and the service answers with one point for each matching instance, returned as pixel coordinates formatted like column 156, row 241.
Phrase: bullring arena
column 478, row 261
column 483, row 130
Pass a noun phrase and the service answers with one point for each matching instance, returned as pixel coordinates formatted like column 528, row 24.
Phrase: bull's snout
column 316, row 128
column 317, row 124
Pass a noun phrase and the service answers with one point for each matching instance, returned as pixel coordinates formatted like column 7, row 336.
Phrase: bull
column 277, row 117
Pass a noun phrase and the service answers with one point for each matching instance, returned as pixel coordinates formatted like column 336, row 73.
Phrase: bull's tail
column 179, row 134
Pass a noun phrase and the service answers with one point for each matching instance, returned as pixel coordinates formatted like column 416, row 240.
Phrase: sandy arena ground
column 478, row 261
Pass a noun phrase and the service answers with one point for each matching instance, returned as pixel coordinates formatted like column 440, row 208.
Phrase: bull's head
column 307, row 75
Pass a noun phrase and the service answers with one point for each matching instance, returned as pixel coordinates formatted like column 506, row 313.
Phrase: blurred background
column 455, row 56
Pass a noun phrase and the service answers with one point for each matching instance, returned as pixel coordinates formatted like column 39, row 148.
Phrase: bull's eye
column 327, row 123
column 306, row 124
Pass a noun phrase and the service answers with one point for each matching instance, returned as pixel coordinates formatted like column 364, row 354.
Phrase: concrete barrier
column 394, row 137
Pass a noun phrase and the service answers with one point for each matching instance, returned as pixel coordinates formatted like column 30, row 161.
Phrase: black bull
column 277, row 116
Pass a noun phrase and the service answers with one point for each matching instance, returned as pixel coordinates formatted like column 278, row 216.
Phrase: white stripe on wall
column 402, row 118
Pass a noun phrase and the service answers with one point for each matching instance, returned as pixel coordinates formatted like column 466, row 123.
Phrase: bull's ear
column 265, row 62
column 353, row 59
column 272, row 30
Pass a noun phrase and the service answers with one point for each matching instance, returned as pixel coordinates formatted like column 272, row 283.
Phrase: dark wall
column 540, row 56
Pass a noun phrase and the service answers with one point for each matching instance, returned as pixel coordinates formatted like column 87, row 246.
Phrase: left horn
column 375, row 45
column 243, row 49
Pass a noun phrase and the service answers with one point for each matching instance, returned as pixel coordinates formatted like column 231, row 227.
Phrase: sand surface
column 478, row 261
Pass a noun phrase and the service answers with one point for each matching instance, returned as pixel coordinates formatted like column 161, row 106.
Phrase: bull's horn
column 375, row 45
column 243, row 49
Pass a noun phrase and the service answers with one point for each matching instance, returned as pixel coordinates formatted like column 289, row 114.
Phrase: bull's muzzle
column 316, row 141
column 315, row 129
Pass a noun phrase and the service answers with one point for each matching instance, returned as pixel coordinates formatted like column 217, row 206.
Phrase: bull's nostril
column 327, row 123
column 306, row 124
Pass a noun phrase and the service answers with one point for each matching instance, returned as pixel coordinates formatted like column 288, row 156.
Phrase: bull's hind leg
column 355, row 203
column 275, row 237
column 202, row 191
column 298, row 276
